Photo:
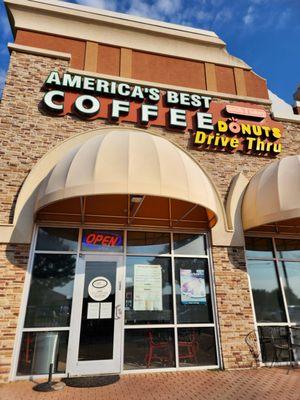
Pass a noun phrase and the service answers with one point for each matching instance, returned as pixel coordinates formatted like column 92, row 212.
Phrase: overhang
column 124, row 161
column 273, row 194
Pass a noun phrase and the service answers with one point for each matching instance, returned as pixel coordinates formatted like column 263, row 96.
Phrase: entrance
column 96, row 322
column 88, row 314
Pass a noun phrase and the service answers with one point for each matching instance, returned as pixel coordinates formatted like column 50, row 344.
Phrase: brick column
column 13, row 265
column 234, row 306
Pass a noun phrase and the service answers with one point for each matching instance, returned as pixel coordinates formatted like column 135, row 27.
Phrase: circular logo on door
column 99, row 288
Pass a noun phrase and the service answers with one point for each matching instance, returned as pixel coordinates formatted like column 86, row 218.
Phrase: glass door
column 96, row 323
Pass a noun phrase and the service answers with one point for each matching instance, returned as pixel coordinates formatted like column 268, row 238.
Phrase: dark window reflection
column 271, row 340
column 149, row 348
column 266, row 291
column 97, row 333
column 192, row 278
column 288, row 248
column 141, row 307
column 188, row 244
column 51, row 290
column 148, row 242
column 40, row 349
column 290, row 272
column 259, row 247
column 57, row 239
column 196, row 346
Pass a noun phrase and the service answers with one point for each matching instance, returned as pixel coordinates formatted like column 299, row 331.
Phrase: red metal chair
column 187, row 348
column 158, row 350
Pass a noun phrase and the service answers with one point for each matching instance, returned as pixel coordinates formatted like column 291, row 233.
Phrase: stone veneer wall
column 13, row 265
column 27, row 133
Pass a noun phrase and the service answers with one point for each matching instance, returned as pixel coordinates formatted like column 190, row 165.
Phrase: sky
column 263, row 33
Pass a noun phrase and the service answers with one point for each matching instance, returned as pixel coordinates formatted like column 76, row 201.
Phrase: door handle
column 118, row 311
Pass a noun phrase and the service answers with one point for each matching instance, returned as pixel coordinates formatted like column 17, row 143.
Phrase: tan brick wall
column 233, row 305
column 13, row 265
column 26, row 134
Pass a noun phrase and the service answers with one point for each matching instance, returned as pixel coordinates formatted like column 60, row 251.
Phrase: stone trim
column 210, row 76
column 91, row 56
column 38, row 52
column 240, row 82
column 126, row 63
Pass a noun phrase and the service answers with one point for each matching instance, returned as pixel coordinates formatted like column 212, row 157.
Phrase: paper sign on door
column 105, row 310
column 93, row 310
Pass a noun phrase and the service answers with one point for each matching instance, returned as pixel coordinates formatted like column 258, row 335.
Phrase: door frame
column 95, row 367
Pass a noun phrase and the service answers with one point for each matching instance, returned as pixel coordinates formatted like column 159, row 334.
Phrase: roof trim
column 115, row 29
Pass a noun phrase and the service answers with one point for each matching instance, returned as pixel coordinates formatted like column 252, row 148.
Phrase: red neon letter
column 90, row 238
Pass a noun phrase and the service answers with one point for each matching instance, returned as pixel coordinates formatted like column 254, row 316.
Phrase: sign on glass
column 147, row 288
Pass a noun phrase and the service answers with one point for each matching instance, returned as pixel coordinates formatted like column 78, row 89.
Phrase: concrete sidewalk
column 259, row 384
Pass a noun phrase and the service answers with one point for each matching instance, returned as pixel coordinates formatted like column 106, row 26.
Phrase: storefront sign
column 210, row 126
column 246, row 111
column 98, row 239
column 147, row 294
column 192, row 286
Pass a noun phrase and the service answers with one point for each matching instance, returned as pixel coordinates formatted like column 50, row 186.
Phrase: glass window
column 57, row 239
column 193, row 299
column 149, row 348
column 290, row 273
column 188, row 244
column 148, row 243
column 148, row 297
column 51, row 290
column 40, row 349
column 102, row 240
column 259, row 247
column 288, row 248
column 196, row 346
column 266, row 291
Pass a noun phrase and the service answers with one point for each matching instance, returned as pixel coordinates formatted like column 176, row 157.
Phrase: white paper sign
column 93, row 310
column 99, row 288
column 105, row 310
column 147, row 294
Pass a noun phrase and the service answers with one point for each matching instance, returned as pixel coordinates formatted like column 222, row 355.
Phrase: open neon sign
column 98, row 239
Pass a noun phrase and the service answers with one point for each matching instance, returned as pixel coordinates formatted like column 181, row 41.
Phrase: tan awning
column 273, row 194
column 125, row 161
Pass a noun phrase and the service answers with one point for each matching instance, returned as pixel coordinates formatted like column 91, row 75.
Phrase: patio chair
column 251, row 341
column 187, row 346
column 285, row 340
column 159, row 349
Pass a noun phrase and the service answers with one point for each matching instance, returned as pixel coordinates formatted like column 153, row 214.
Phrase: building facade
column 149, row 198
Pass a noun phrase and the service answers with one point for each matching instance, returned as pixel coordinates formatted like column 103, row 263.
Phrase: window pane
column 259, row 247
column 266, row 291
column 270, row 335
column 148, row 243
column 57, row 239
column 189, row 244
column 51, row 290
column 196, row 346
column 40, row 349
column 148, row 298
column 290, row 272
column 149, row 348
column 288, row 248
column 193, row 299
column 99, row 240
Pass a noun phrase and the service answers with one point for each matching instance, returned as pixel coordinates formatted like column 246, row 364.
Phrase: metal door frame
column 75, row 367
